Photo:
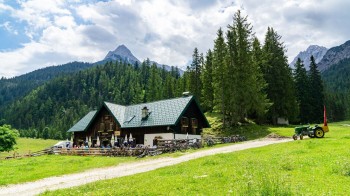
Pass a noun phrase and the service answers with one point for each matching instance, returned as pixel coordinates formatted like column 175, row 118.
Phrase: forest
column 241, row 78
column 16, row 87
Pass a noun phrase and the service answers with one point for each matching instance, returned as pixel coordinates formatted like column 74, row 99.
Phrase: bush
column 8, row 138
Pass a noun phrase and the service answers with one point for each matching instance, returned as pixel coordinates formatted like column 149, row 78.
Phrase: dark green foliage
column 278, row 75
column 154, row 84
column 316, row 95
column 50, row 110
column 7, row 138
column 207, row 81
column 263, row 103
column 302, row 86
column 219, row 68
column 194, row 72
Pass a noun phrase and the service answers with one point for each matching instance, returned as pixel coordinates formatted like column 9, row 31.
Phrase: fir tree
column 302, row 87
column 245, row 82
column 316, row 93
column 263, row 103
column 194, row 70
column 278, row 75
column 219, row 68
column 207, row 80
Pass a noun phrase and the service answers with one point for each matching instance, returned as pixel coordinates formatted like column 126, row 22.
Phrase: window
column 184, row 122
column 102, row 127
column 194, row 123
column 111, row 126
column 107, row 117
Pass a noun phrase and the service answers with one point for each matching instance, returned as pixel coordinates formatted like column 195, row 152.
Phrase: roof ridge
column 115, row 104
column 160, row 100
column 190, row 96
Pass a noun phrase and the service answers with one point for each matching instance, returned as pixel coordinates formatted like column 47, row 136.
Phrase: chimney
column 144, row 113
column 185, row 94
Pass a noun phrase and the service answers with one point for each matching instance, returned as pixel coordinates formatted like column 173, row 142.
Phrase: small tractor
column 313, row 132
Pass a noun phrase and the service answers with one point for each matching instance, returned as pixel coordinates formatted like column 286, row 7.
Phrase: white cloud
column 165, row 31
column 302, row 23
column 6, row 25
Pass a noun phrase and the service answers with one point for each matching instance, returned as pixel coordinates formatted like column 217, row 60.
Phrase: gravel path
column 71, row 180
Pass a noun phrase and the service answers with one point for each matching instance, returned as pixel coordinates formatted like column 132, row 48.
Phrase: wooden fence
column 163, row 146
column 30, row 154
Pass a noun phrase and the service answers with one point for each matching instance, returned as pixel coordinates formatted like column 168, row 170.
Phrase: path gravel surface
column 126, row 169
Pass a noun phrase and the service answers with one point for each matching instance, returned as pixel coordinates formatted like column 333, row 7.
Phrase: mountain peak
column 123, row 48
column 313, row 50
column 121, row 53
column 315, row 47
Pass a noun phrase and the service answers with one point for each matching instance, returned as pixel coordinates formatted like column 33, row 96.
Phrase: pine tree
column 302, row 87
column 219, row 69
column 316, row 93
column 245, row 82
column 263, row 103
column 207, row 81
column 194, row 71
column 278, row 75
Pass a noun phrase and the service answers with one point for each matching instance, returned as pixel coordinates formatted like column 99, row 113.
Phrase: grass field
column 28, row 169
column 307, row 167
column 24, row 145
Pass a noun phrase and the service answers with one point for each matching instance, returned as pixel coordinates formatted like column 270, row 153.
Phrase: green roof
column 83, row 123
column 161, row 113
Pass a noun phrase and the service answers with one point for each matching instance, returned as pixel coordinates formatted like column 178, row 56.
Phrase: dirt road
column 71, row 180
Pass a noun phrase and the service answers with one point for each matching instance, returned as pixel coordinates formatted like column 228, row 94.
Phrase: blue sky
column 40, row 33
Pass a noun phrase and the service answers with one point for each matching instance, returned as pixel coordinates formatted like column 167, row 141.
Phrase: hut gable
column 118, row 111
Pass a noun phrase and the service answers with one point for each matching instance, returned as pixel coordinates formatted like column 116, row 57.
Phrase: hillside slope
column 14, row 88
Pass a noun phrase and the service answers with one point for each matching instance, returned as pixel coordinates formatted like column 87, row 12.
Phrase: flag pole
column 325, row 125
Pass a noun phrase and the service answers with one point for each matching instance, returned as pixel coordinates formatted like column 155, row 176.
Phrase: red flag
column 324, row 116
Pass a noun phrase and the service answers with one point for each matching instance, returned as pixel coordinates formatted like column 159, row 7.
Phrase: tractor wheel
column 301, row 137
column 295, row 137
column 319, row 133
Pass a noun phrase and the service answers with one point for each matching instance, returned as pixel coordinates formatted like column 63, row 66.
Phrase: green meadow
column 307, row 167
column 303, row 167
column 24, row 145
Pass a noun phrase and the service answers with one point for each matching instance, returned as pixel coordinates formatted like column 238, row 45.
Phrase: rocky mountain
column 122, row 53
column 334, row 56
column 317, row 51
